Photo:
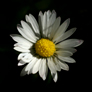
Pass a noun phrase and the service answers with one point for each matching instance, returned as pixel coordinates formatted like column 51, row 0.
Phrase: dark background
column 11, row 13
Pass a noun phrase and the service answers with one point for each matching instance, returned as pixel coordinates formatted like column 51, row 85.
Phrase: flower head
column 43, row 45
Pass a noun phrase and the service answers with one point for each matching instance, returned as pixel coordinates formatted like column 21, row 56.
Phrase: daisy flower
column 43, row 45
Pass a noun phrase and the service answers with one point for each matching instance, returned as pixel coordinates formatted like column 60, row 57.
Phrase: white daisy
column 43, row 45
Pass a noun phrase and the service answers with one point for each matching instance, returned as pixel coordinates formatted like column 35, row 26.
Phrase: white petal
column 48, row 24
column 22, row 55
column 24, row 46
column 29, row 32
column 41, row 63
column 30, row 19
column 43, row 69
column 46, row 69
column 40, row 17
column 26, row 34
column 20, row 39
column 55, row 76
column 21, row 63
column 30, row 65
column 44, row 21
column 70, row 43
column 57, row 64
column 21, row 49
column 67, row 49
column 55, row 27
column 50, row 20
column 62, row 28
column 51, row 65
column 67, row 59
column 52, row 17
column 23, row 72
column 65, row 35
column 25, row 57
column 63, row 65
column 36, row 66
column 64, row 53
column 45, row 24
column 48, row 13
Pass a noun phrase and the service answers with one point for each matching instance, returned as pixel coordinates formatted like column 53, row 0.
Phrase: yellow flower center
column 45, row 47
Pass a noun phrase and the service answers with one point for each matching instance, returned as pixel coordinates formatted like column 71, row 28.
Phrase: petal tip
column 44, row 78
column 75, row 51
column 53, row 11
column 40, row 13
column 75, row 28
column 19, row 26
column 55, row 81
column 80, row 42
column 68, row 20
column 19, row 64
column 11, row 35
column 21, row 22
column 26, row 17
column 23, row 73
column 67, row 69
column 59, row 18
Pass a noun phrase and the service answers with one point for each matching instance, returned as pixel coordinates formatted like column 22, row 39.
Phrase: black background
column 11, row 13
